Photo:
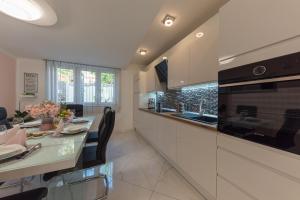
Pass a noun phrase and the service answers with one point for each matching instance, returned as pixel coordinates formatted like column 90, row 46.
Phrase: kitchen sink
column 197, row 117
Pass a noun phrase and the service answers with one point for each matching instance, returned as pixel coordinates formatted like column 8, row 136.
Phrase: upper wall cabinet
column 249, row 25
column 195, row 59
column 204, row 52
column 178, row 64
column 150, row 78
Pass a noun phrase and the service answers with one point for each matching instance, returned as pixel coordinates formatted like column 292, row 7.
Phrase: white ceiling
column 189, row 15
column 105, row 32
column 98, row 32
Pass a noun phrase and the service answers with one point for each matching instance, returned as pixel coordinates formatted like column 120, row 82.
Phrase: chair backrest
column 3, row 113
column 104, row 136
column 76, row 108
column 3, row 118
column 106, row 109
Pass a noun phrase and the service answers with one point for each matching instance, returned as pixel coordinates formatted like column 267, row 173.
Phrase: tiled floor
column 136, row 172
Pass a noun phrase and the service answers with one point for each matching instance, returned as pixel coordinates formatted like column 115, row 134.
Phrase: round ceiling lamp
column 36, row 12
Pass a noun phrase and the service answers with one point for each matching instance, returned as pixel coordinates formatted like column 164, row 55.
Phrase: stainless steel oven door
column 265, row 111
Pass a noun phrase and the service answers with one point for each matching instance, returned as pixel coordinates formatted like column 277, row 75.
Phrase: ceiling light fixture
column 168, row 20
column 31, row 11
column 199, row 34
column 142, row 52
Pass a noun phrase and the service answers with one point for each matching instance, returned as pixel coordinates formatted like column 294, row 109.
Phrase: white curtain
column 91, row 86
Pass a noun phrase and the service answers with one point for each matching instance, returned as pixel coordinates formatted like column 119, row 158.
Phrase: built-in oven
column 260, row 102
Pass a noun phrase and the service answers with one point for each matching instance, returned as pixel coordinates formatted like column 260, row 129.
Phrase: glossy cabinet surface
column 204, row 52
column 197, row 155
column 178, row 64
column 192, row 149
column 226, row 191
column 150, row 79
column 249, row 25
column 167, row 137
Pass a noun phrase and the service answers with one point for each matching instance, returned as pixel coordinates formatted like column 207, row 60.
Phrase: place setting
column 13, row 144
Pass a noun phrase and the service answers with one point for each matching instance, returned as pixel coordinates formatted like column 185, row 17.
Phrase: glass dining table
column 56, row 153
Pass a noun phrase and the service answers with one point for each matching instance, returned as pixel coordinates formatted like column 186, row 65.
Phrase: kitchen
column 248, row 59
column 150, row 100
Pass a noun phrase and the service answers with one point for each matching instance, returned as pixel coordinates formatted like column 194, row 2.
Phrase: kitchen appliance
column 162, row 71
column 260, row 102
column 151, row 103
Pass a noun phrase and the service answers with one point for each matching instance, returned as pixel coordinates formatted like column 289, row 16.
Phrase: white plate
column 31, row 124
column 74, row 130
column 8, row 151
column 79, row 121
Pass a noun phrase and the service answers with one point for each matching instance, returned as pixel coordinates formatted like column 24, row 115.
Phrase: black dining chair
column 3, row 118
column 93, row 135
column 92, row 156
column 76, row 108
column 36, row 194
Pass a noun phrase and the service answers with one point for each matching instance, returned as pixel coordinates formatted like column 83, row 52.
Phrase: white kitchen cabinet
column 178, row 64
column 249, row 25
column 196, row 155
column 204, row 53
column 195, row 60
column 167, row 137
column 150, row 78
column 227, row 191
column 258, row 180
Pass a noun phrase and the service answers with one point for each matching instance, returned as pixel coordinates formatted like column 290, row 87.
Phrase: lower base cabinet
column 192, row 149
column 227, row 191
column 196, row 155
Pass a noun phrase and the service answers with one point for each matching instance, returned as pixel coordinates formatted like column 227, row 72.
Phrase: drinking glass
column 18, row 120
column 3, row 128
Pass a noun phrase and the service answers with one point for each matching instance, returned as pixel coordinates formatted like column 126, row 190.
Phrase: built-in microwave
column 260, row 102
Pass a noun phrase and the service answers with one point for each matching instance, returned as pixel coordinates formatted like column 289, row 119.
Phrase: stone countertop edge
column 170, row 116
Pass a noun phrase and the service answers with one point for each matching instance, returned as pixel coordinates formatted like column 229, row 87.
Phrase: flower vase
column 47, row 124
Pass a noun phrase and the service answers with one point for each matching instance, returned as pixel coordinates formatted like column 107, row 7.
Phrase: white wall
column 124, row 116
column 31, row 66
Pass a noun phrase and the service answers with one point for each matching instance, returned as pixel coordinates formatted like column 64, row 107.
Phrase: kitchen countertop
column 169, row 115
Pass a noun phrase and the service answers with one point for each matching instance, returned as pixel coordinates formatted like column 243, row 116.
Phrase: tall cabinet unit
column 247, row 27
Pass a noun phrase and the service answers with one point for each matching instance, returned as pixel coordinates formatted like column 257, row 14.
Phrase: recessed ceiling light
column 31, row 11
column 199, row 34
column 142, row 52
column 168, row 20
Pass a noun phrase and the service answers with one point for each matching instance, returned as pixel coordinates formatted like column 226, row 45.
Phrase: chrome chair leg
column 94, row 178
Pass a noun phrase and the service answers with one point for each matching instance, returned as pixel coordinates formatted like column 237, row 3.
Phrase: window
column 76, row 83
column 107, row 87
column 65, row 85
column 88, row 87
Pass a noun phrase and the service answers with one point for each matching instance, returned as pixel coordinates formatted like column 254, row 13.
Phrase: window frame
column 79, row 87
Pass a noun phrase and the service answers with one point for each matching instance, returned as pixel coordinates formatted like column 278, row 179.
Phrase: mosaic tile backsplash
column 191, row 97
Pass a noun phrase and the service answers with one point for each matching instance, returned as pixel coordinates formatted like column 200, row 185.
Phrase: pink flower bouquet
column 43, row 110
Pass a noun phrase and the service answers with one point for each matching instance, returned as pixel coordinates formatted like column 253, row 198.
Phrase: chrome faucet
column 201, row 110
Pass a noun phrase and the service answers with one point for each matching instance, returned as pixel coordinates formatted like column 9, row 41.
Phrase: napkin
column 7, row 135
column 19, row 138
column 60, row 128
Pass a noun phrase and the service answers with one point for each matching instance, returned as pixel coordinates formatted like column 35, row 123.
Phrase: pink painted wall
column 8, row 83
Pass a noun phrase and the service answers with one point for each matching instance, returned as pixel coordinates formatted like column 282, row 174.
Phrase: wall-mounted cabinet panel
column 204, row 52
column 150, row 78
column 195, row 60
column 178, row 64
column 197, row 155
column 249, row 25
